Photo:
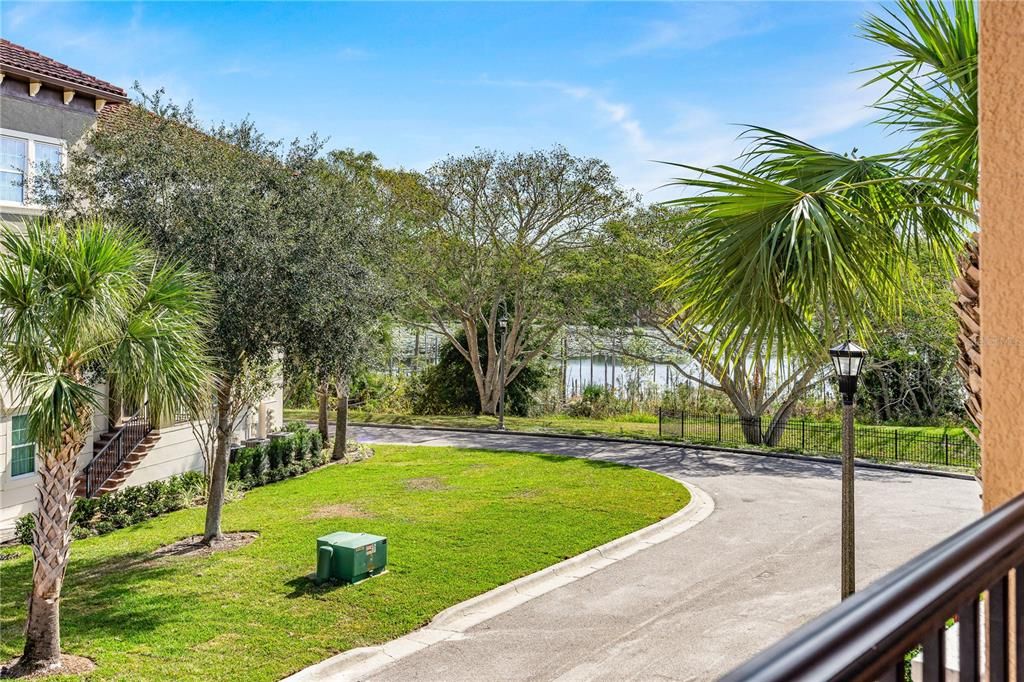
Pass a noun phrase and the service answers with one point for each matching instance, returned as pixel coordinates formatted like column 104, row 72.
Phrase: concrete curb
column 357, row 664
column 864, row 464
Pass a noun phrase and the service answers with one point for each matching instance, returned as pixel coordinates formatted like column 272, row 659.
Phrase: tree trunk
column 219, row 476
column 489, row 404
column 565, row 368
column 341, row 421
column 51, row 547
column 751, row 425
column 322, row 414
column 777, row 425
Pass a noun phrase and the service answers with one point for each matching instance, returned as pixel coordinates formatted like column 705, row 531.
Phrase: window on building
column 13, row 167
column 23, row 449
column 23, row 158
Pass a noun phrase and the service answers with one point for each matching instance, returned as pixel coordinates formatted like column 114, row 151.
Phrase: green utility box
column 350, row 557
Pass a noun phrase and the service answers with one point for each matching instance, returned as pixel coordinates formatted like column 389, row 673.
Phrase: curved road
column 691, row 608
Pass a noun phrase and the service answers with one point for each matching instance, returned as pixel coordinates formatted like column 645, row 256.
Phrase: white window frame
column 30, row 162
column 35, row 454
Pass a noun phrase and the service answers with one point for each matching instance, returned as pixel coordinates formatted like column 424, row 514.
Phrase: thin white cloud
column 695, row 26
column 352, row 53
column 17, row 14
column 698, row 136
column 609, row 112
column 836, row 107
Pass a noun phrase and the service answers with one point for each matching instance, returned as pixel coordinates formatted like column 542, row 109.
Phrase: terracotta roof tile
column 17, row 57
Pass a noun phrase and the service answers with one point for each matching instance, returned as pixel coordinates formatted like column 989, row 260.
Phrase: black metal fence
column 880, row 443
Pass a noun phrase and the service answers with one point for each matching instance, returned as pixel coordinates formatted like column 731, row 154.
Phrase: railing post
column 719, row 427
column 803, row 429
column 945, row 442
column 896, row 441
column 682, row 424
column 659, row 421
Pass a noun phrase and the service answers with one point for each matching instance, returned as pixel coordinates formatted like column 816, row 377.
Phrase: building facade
column 46, row 109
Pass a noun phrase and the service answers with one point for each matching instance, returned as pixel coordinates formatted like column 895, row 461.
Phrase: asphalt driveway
column 693, row 607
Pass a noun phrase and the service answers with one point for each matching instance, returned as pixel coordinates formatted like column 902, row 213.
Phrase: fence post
column 945, row 443
column 719, row 427
column 803, row 429
column 659, row 421
column 682, row 424
column 896, row 440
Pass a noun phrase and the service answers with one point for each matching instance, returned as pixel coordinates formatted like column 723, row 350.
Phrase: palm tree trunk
column 51, row 546
column 219, row 475
column 968, row 290
column 341, row 421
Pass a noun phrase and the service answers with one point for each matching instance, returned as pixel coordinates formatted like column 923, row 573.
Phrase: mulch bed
column 193, row 545
column 69, row 665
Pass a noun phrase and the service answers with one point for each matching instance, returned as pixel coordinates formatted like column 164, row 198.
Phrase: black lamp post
column 847, row 359
column 503, row 323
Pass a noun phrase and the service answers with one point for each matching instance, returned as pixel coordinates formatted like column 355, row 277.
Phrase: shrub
column 316, row 443
column 596, row 402
column 249, row 463
column 318, row 459
column 279, row 452
column 84, row 512
column 300, row 445
column 104, row 527
column 23, row 528
column 81, row 532
column 135, row 504
column 189, row 488
column 234, row 491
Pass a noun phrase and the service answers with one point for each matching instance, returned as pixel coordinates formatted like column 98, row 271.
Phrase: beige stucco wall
column 176, row 451
column 18, row 494
column 1002, row 248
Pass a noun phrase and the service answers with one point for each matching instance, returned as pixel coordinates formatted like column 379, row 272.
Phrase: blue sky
column 627, row 82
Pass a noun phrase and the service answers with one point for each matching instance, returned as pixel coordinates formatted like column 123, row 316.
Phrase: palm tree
column 794, row 237
column 77, row 303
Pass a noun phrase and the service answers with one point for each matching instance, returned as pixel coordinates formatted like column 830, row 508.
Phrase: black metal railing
column 880, row 443
column 106, row 461
column 965, row 578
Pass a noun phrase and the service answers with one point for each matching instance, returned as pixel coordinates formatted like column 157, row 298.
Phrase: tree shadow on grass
column 110, row 597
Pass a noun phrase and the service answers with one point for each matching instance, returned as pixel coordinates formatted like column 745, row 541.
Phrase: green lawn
column 912, row 445
column 458, row 522
column 635, row 426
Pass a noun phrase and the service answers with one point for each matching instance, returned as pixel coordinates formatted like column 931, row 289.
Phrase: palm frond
column 932, row 88
column 798, row 238
column 92, row 295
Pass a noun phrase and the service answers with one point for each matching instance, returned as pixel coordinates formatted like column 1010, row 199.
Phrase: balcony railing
column 105, row 462
column 868, row 636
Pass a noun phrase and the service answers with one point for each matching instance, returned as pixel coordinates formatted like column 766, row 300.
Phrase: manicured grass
column 913, row 445
column 458, row 522
column 635, row 426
